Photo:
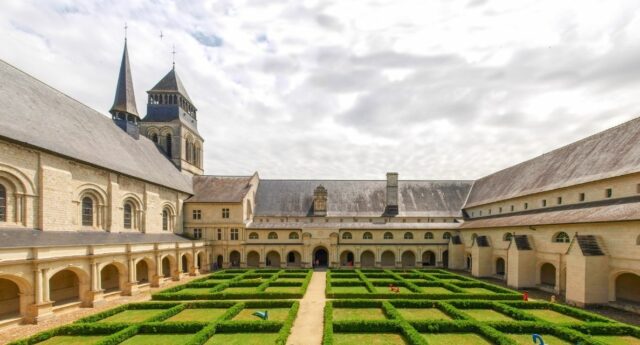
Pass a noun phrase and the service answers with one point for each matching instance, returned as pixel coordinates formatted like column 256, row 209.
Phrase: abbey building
column 92, row 208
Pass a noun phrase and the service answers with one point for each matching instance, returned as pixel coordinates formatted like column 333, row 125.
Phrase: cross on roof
column 173, row 53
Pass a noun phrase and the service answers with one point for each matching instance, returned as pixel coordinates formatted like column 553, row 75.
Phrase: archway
column 166, row 267
column 273, row 259
column 548, row 275
column 64, row 287
column 408, row 259
column 500, row 267
column 184, row 263
column 628, row 288
column 110, row 278
column 445, row 259
column 9, row 299
column 346, row 258
column 253, row 259
column 388, row 259
column 294, row 259
column 234, row 259
column 428, row 258
column 320, row 257
column 220, row 260
column 199, row 260
column 367, row 259
column 142, row 272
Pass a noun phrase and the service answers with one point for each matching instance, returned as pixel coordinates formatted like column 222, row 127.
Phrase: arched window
column 473, row 237
column 253, row 236
column 165, row 220
column 154, row 137
column 347, row 236
column 272, row 236
column 507, row 236
column 128, row 213
column 294, row 236
column 428, row 236
column 169, row 145
column 446, row 236
column 3, row 204
column 561, row 237
column 408, row 236
column 388, row 236
column 87, row 211
column 367, row 236
column 187, row 150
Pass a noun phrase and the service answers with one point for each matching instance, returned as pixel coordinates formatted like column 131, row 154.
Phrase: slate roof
column 171, row 83
column 352, row 226
column 613, row 152
column 125, row 99
column 361, row 198
column 35, row 114
column 17, row 238
column 220, row 188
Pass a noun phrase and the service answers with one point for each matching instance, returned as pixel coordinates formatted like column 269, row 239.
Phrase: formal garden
column 373, row 307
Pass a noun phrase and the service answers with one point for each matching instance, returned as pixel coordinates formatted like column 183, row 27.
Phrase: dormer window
column 320, row 201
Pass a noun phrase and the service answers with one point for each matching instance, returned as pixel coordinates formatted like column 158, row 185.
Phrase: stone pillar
column 156, row 280
column 45, row 286
column 96, row 294
column 131, row 287
column 42, row 308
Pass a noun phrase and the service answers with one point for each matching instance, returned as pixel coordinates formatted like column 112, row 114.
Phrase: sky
column 439, row 89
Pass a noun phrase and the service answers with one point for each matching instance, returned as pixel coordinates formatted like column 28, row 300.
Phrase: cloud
column 210, row 40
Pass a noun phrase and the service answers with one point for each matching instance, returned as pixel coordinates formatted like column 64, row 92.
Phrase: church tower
column 171, row 122
column 123, row 111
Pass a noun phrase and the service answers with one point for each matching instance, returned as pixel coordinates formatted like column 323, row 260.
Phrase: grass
column 275, row 314
column 340, row 314
column 435, row 289
column 193, row 291
column 551, row 315
column 477, row 290
column 157, row 339
column 198, row 314
column 368, row 338
column 454, row 338
column 349, row 289
column 243, row 339
column 240, row 289
column 290, row 280
column 72, row 340
column 287, row 289
column 385, row 289
column 618, row 339
column 128, row 316
column 526, row 339
column 423, row 314
column 487, row 315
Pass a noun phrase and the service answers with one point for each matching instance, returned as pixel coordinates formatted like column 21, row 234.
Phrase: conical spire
column 125, row 100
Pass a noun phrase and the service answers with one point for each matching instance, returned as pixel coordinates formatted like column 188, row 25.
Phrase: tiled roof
column 220, row 188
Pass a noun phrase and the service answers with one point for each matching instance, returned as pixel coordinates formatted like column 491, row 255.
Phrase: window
column 408, row 236
column 608, row 192
column 428, row 236
column 388, row 236
column 234, row 234
column 581, row 197
column 272, row 236
column 347, row 236
column 499, row 209
column 253, row 236
column 128, row 210
column 526, row 205
column 512, row 208
column 219, row 234
column 507, row 236
column 196, row 214
column 154, row 137
column 294, row 236
column 165, row 220
column 197, row 233
column 87, row 211
column 544, row 203
column 446, row 236
column 561, row 237
column 367, row 236
column 169, row 145
column 559, row 200
column 225, row 213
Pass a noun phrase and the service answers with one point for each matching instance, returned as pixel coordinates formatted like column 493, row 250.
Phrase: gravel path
column 307, row 328
column 22, row 331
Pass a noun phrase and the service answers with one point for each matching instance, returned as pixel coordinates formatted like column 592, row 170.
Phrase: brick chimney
column 392, row 195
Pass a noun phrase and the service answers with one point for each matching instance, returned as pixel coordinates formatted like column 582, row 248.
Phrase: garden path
column 308, row 326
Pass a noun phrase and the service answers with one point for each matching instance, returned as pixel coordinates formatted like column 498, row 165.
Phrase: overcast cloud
column 352, row 89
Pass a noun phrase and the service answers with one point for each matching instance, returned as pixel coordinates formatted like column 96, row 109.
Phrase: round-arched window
column 294, row 236
column 428, row 236
column 367, row 236
column 507, row 236
column 272, row 236
column 3, row 204
column 388, row 236
column 128, row 215
column 253, row 236
column 408, row 236
column 347, row 236
column 561, row 237
column 446, row 236
column 87, row 211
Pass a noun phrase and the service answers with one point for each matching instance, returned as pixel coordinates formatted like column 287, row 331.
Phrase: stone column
column 45, row 286
column 131, row 287
column 157, row 279
column 38, row 286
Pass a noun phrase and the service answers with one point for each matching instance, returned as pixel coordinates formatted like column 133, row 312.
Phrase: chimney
column 392, row 194
column 320, row 201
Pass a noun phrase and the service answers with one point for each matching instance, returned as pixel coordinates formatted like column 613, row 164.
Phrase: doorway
column 320, row 257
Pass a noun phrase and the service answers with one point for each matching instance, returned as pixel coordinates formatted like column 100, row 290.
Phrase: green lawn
column 423, row 314
column 290, row 280
column 385, row 289
column 526, row 339
column 243, row 339
column 286, row 289
column 340, row 314
column 194, row 291
column 158, row 339
column 368, row 338
column 551, row 315
column 198, row 314
column 617, row 339
column 487, row 315
column 240, row 289
column 454, row 338
column 477, row 291
column 72, row 340
column 275, row 314
column 349, row 289
column 136, row 315
column 435, row 289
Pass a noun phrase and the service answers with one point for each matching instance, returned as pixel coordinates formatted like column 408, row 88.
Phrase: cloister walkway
column 308, row 326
